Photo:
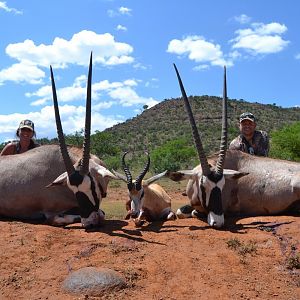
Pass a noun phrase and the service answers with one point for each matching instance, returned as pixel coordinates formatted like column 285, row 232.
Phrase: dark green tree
column 285, row 143
column 172, row 156
column 104, row 146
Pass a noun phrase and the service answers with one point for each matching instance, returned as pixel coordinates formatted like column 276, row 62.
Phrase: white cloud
column 126, row 96
column 74, row 51
column 153, row 83
column 121, row 28
column 243, row 19
column 297, row 56
column 22, row 72
column 201, row 68
column 8, row 9
column 261, row 38
column 61, row 53
column 72, row 120
column 199, row 50
column 121, row 11
column 115, row 93
column 125, row 10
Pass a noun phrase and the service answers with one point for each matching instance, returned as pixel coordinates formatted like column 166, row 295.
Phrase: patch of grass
column 233, row 243
column 131, row 276
column 115, row 184
column 113, row 209
column 241, row 248
column 293, row 262
column 249, row 248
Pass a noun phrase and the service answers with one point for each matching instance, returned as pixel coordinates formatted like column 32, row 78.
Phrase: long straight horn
column 138, row 181
column 223, row 145
column 87, row 133
column 63, row 148
column 127, row 173
column 202, row 157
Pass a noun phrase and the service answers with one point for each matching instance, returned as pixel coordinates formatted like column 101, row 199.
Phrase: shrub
column 285, row 143
column 172, row 155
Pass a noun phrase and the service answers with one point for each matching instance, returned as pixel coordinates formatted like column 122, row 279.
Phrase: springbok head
column 136, row 188
column 87, row 179
column 211, row 178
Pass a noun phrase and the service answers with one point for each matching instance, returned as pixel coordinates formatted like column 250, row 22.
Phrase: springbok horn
column 138, row 181
column 223, row 144
column 63, row 148
column 127, row 172
column 87, row 133
column 202, row 157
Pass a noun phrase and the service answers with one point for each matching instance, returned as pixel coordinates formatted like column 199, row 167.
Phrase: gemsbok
column 271, row 186
column 148, row 201
column 87, row 179
column 24, row 179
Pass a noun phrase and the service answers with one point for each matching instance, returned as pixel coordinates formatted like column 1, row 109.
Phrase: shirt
column 259, row 144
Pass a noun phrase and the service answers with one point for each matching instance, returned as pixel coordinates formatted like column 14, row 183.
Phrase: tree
column 75, row 139
column 103, row 145
column 285, row 143
column 172, row 156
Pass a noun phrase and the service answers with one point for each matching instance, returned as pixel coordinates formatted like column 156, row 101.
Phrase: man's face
column 247, row 127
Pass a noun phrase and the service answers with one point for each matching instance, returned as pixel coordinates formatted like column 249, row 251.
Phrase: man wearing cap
column 25, row 133
column 251, row 141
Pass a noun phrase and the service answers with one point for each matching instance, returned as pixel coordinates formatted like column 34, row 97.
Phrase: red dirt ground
column 252, row 258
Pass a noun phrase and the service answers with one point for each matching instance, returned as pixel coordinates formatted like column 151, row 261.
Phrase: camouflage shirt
column 260, row 144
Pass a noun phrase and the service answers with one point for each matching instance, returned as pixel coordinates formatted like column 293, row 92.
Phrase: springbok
column 147, row 200
column 87, row 179
column 271, row 187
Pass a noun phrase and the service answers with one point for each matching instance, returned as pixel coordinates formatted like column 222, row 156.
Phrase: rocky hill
column 168, row 120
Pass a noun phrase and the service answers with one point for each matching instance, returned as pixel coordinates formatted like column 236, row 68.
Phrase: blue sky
column 134, row 45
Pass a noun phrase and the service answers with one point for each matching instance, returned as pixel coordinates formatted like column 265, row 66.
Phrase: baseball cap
column 27, row 124
column 247, row 116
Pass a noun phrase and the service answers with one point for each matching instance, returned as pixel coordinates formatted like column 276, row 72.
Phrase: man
column 251, row 141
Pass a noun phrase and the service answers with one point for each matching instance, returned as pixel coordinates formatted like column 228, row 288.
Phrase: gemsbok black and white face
column 87, row 179
column 210, row 179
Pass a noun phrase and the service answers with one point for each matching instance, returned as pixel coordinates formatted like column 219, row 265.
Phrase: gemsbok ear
column 154, row 178
column 232, row 174
column 181, row 175
column 60, row 180
column 105, row 172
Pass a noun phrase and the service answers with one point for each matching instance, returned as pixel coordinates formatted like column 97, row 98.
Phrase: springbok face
column 136, row 190
column 211, row 179
column 135, row 187
column 86, row 179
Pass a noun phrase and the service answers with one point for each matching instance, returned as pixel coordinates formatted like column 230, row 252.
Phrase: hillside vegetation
column 168, row 121
column 164, row 130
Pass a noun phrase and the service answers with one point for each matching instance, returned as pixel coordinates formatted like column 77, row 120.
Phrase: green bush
column 285, row 143
column 172, row 156
column 103, row 145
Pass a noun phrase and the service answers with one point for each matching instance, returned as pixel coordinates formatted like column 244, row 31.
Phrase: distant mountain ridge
column 168, row 120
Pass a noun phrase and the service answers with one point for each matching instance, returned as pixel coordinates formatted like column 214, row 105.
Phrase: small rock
column 93, row 281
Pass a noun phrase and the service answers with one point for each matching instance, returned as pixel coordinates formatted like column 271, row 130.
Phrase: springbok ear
column 181, row 175
column 120, row 176
column 60, row 180
column 106, row 173
column 232, row 174
column 154, row 178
